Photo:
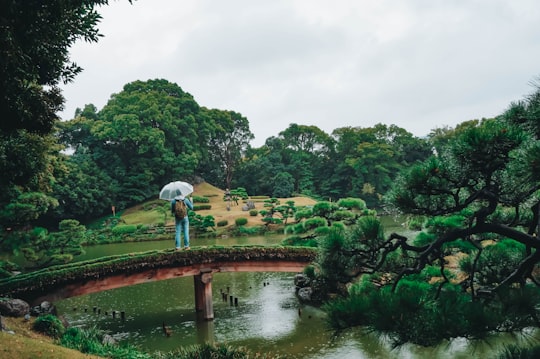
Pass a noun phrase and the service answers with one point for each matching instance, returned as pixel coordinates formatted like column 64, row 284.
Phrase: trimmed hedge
column 124, row 229
column 241, row 221
column 223, row 223
column 201, row 207
column 199, row 199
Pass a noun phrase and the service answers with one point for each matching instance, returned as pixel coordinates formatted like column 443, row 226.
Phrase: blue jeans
column 182, row 226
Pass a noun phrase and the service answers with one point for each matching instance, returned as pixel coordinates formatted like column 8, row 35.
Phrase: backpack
column 180, row 210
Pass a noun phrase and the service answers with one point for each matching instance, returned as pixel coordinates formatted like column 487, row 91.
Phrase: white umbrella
column 176, row 188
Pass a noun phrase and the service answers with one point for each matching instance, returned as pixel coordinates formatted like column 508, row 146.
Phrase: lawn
column 148, row 212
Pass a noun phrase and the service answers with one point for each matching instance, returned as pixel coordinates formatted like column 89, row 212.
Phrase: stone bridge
column 106, row 273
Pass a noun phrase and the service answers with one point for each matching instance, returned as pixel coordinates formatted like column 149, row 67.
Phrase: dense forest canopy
column 35, row 38
column 153, row 132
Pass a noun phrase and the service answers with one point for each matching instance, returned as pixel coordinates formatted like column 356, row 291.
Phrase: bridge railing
column 35, row 284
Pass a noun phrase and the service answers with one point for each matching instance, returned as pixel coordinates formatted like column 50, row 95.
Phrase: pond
column 268, row 317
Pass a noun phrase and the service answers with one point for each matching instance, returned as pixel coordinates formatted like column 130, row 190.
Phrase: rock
column 13, row 307
column 43, row 308
column 304, row 294
column 301, row 280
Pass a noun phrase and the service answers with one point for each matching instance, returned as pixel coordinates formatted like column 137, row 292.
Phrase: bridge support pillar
column 203, row 293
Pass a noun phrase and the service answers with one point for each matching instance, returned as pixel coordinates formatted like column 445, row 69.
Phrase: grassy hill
column 26, row 343
column 148, row 212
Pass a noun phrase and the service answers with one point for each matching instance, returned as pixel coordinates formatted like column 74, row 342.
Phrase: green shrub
column 342, row 215
column 241, row 221
column 298, row 228
column 249, row 231
column 124, row 229
column 219, row 351
column 351, row 203
column 516, row 352
column 223, row 223
column 253, row 212
column 199, row 199
column 314, row 222
column 299, row 241
column 310, row 271
column 202, row 207
column 50, row 325
column 302, row 213
column 90, row 341
column 322, row 231
column 324, row 208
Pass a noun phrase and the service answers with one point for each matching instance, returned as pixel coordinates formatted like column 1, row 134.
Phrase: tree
column 304, row 151
column 45, row 248
column 147, row 135
column 35, row 39
column 480, row 195
column 284, row 185
column 26, row 162
column 370, row 158
column 259, row 167
column 230, row 138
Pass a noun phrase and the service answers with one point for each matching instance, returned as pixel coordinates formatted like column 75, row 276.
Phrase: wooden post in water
column 203, row 293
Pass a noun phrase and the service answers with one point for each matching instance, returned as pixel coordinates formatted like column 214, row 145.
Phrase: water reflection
column 268, row 319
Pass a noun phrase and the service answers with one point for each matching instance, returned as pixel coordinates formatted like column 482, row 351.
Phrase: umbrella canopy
column 173, row 189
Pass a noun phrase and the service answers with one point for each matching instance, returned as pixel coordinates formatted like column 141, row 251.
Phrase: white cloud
column 417, row 64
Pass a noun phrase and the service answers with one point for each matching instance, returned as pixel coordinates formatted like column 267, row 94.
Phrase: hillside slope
column 136, row 215
column 219, row 206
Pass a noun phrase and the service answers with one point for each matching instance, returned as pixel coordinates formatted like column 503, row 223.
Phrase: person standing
column 181, row 219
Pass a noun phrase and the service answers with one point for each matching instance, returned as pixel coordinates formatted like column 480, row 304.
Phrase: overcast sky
column 418, row 64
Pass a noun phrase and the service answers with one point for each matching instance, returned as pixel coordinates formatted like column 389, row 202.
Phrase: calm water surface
column 268, row 317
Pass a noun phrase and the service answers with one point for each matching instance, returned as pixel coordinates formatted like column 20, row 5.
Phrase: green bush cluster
column 200, row 199
column 417, row 313
column 124, row 229
column 253, row 212
column 219, row 351
column 91, row 341
column 352, row 203
column 299, row 241
column 343, row 215
column 249, row 231
column 517, row 352
column 223, row 223
column 50, row 325
column 241, row 221
column 201, row 207
column 314, row 222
